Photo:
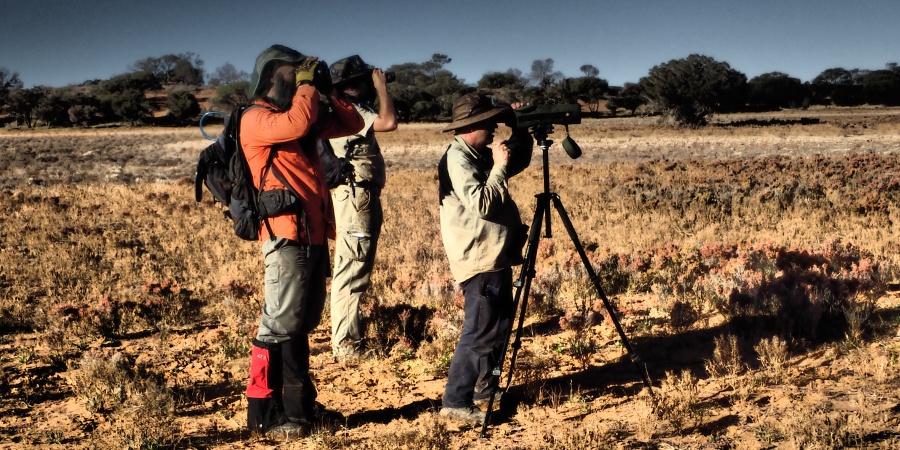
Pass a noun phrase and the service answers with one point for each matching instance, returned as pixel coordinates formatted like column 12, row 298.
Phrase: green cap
column 276, row 52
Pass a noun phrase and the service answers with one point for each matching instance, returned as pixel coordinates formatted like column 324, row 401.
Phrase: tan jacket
column 367, row 161
column 480, row 223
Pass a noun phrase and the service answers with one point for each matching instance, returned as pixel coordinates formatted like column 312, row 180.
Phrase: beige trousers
column 358, row 216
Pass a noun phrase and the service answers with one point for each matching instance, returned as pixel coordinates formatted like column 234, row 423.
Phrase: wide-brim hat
column 349, row 69
column 274, row 53
column 473, row 108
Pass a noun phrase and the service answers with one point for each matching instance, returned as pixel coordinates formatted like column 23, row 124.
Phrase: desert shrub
column 858, row 312
column 237, row 307
column 818, row 293
column 158, row 304
column 577, row 291
column 400, row 325
column 578, row 344
column 236, row 293
column 144, row 422
column 545, row 291
column 16, row 314
column 596, row 435
column 426, row 433
column 822, row 427
column 773, row 355
column 103, row 318
column 139, row 407
column 726, row 361
column 531, row 374
column 809, row 293
column 879, row 362
column 437, row 354
column 101, row 381
column 233, row 345
column 676, row 403
column 682, row 315
column 183, row 106
column 608, row 268
column 168, row 302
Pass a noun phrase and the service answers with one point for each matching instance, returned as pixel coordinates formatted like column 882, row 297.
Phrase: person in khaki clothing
column 483, row 236
column 357, row 202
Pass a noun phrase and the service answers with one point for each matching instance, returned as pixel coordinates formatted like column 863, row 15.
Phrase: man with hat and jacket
column 483, row 236
column 357, row 201
column 278, row 134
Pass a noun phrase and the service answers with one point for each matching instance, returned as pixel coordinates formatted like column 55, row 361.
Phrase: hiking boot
column 287, row 431
column 348, row 351
column 479, row 401
column 469, row 414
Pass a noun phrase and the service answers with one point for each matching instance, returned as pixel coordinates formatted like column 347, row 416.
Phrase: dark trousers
column 489, row 310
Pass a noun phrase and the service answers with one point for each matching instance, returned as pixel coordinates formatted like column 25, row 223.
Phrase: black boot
column 299, row 392
column 265, row 407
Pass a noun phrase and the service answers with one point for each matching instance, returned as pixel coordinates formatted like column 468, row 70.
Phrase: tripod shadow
column 387, row 415
column 686, row 350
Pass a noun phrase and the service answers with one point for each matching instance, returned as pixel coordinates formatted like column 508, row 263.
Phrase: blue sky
column 59, row 42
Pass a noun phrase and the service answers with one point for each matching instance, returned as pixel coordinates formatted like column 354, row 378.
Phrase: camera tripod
column 523, row 283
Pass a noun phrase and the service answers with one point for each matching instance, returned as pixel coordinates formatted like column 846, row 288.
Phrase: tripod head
column 540, row 133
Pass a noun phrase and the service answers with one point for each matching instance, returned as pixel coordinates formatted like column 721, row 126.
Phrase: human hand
column 500, row 153
column 379, row 79
column 306, row 70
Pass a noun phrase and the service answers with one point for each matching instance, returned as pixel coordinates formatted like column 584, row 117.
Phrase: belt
column 365, row 184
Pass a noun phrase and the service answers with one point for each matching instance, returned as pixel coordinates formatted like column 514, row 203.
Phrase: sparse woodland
column 753, row 264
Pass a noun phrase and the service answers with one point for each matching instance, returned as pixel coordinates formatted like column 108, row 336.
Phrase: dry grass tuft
column 726, row 361
column 773, row 357
column 822, row 428
column 531, row 374
column 426, row 433
column 138, row 408
column 598, row 436
column 675, row 406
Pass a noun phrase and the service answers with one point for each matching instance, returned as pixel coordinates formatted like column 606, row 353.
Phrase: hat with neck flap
column 264, row 62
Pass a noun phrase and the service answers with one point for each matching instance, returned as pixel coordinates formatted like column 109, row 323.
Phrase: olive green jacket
column 480, row 223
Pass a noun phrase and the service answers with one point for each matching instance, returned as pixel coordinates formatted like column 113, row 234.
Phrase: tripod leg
column 524, row 284
column 520, row 302
column 641, row 368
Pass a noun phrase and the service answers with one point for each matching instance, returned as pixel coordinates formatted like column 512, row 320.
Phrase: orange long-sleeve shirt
column 297, row 160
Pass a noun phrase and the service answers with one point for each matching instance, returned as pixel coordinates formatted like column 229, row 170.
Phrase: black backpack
column 333, row 168
column 337, row 171
column 223, row 168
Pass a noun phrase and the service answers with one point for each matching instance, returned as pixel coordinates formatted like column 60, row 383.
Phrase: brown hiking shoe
column 479, row 401
column 469, row 414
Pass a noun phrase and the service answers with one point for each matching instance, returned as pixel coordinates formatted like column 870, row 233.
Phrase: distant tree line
column 687, row 91
column 682, row 91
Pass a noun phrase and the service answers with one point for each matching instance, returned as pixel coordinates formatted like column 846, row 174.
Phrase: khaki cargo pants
column 358, row 221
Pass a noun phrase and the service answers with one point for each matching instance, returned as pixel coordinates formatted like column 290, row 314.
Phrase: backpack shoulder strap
column 272, row 152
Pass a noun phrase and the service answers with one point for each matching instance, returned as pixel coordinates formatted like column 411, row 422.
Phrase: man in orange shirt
column 279, row 140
